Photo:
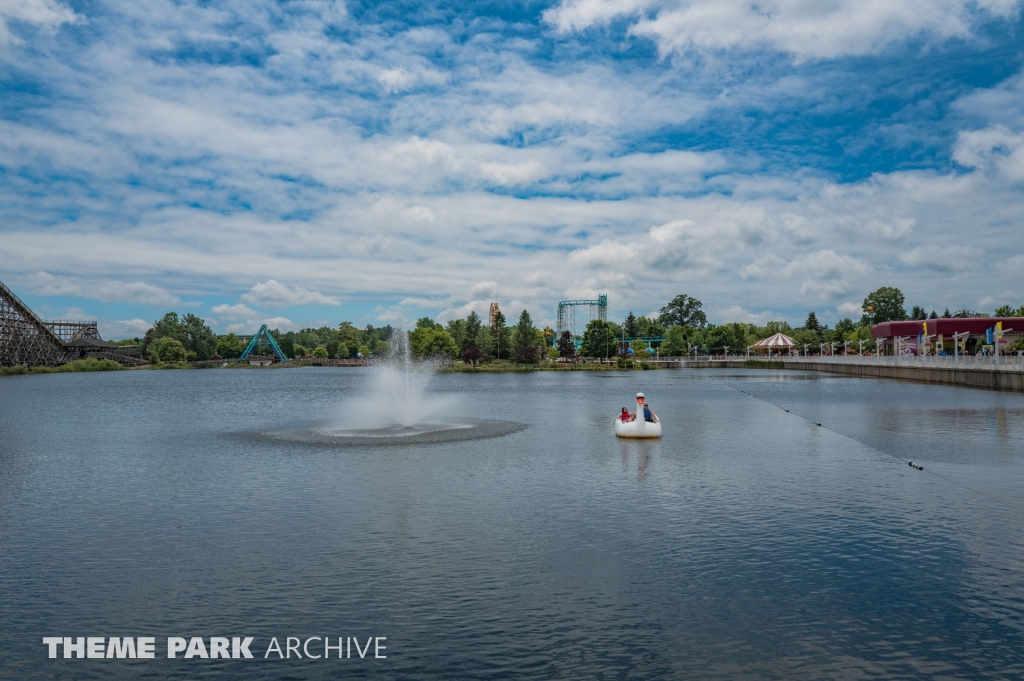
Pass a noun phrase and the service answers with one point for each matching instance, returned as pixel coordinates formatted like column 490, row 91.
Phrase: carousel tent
column 778, row 341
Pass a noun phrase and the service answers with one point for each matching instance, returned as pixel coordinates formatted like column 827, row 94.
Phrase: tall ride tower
column 596, row 309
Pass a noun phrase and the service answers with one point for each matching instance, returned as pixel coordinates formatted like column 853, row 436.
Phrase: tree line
column 683, row 327
column 680, row 327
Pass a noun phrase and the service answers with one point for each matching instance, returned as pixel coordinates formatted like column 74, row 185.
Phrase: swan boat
column 637, row 428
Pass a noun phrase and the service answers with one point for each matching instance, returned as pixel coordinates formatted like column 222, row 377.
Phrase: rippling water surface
column 749, row 543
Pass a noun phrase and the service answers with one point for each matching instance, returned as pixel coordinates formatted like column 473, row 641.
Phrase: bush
column 91, row 365
column 167, row 349
column 71, row 367
column 320, row 352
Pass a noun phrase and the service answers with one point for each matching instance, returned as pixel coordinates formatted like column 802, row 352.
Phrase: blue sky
column 305, row 162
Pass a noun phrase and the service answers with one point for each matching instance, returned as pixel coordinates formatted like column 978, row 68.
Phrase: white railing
column 1007, row 362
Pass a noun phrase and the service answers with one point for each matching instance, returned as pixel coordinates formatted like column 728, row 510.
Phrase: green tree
column 485, row 343
column 887, row 304
column 320, row 352
column 1004, row 311
column 336, row 348
column 599, row 340
column 349, row 336
column 808, row 337
column 456, row 328
column 229, row 347
column 548, row 337
column 285, row 341
column 425, row 323
column 168, row 326
column 566, row 346
column 918, row 313
column 501, row 341
column 683, row 311
column 772, row 328
column 639, row 349
column 812, row 322
column 717, row 338
column 198, row 337
column 675, row 344
column 167, row 349
column 649, row 328
column 630, row 326
column 845, row 325
column 472, row 330
column 526, row 339
column 933, row 315
column 947, row 314
column 298, row 350
column 432, row 341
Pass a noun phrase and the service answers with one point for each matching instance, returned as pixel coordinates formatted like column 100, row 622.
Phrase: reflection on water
column 642, row 452
column 747, row 543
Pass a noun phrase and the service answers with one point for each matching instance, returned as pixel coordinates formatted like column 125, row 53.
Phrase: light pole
column 956, row 347
column 806, row 345
column 726, row 348
column 860, row 350
column 846, row 348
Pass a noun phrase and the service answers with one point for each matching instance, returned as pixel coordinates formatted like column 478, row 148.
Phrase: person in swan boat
column 641, row 403
column 625, row 416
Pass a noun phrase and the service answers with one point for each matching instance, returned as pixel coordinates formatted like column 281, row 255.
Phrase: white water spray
column 396, row 394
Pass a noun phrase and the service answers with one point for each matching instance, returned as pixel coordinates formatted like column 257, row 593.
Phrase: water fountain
column 396, row 407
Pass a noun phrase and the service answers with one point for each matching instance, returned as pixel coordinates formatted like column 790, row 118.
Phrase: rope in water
column 864, row 444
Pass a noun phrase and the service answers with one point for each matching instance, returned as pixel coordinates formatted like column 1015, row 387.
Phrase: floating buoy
column 914, row 465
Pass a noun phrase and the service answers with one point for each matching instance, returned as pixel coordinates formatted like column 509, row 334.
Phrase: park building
column 936, row 336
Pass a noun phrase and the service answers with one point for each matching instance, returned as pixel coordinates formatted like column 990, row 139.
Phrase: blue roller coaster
column 263, row 339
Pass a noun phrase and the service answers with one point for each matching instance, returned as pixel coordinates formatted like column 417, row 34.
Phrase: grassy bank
column 70, row 367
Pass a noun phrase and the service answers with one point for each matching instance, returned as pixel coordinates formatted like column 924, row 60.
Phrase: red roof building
column 943, row 330
column 976, row 326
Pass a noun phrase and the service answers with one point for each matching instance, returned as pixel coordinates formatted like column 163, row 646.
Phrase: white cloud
column 803, row 29
column 993, row 149
column 487, row 173
column 123, row 328
column 577, row 15
column 235, row 311
column 392, row 315
column 272, row 294
column 252, row 326
column 47, row 14
column 736, row 313
column 850, row 309
column 420, row 214
column 943, row 258
column 47, row 284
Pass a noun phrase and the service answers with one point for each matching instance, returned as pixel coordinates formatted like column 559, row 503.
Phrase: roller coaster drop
column 27, row 339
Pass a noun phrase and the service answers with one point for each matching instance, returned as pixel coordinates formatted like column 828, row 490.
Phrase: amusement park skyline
column 298, row 164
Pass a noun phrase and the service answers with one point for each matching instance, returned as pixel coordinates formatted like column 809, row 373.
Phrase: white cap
column 639, row 394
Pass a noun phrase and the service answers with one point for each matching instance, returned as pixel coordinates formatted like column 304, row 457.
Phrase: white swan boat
column 637, row 428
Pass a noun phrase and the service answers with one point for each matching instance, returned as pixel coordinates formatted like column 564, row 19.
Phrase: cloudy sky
column 310, row 161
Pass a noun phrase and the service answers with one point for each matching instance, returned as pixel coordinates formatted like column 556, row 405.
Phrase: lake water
column 749, row 543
